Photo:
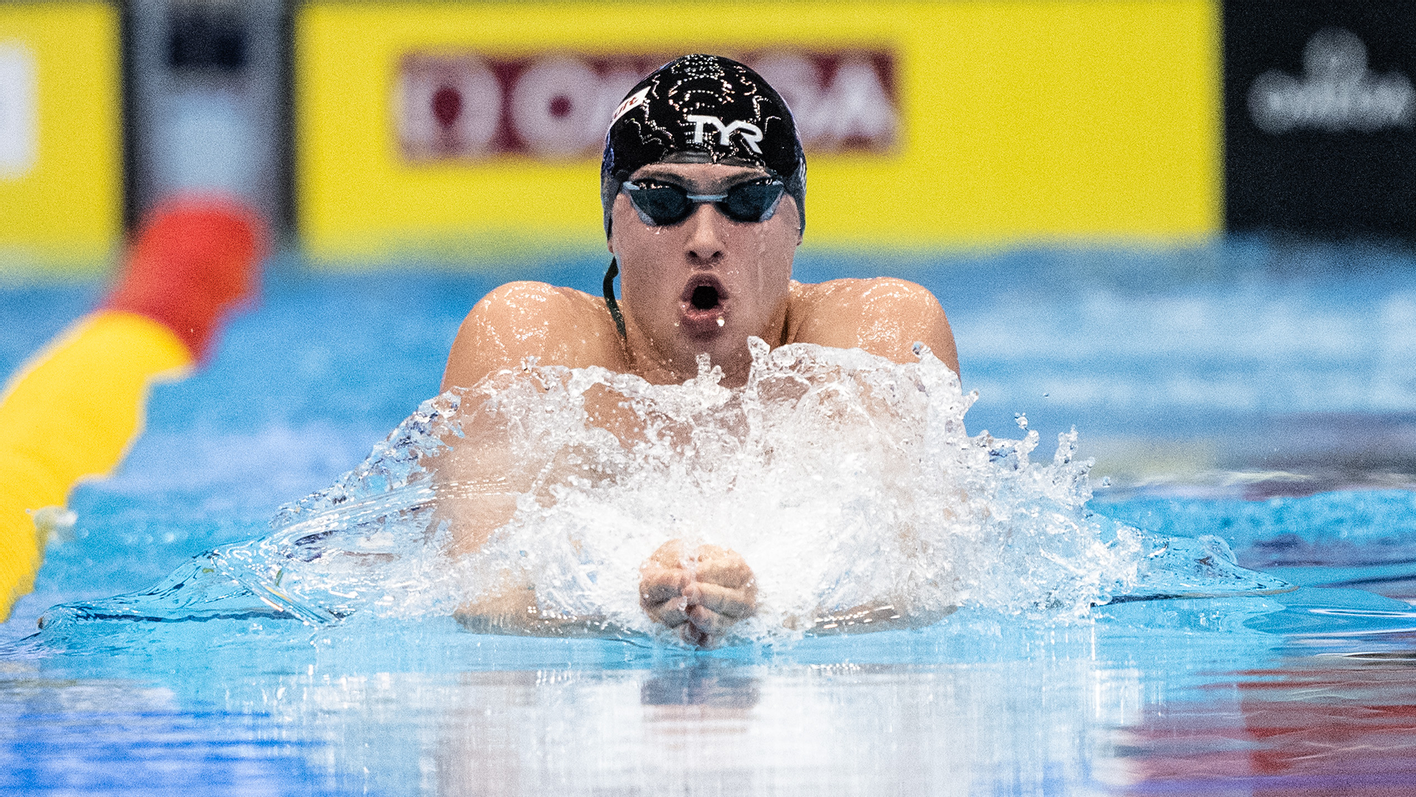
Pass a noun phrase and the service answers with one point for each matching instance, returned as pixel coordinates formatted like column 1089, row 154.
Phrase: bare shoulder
column 558, row 326
column 882, row 315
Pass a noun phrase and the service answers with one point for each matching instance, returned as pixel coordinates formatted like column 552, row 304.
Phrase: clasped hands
column 700, row 591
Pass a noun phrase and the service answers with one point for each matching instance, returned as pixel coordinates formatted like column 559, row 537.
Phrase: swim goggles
column 664, row 203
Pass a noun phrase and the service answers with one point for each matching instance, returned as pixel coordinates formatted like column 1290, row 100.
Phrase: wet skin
column 702, row 285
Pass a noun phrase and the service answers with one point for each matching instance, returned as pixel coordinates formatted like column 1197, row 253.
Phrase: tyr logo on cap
column 751, row 133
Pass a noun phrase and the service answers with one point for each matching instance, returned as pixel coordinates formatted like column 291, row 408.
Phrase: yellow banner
column 458, row 130
column 60, row 136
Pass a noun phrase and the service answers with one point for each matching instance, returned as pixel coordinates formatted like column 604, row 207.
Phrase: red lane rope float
column 74, row 409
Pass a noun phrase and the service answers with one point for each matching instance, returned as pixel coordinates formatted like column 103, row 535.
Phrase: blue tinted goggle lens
column 671, row 204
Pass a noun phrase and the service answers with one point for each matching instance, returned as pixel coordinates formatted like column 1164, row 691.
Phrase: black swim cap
column 709, row 105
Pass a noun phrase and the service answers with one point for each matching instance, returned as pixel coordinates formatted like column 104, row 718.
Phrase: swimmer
column 703, row 185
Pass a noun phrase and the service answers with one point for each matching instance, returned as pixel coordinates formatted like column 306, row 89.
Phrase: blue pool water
column 1261, row 392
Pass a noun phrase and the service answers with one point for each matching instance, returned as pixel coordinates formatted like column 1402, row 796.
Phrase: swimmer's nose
column 705, row 240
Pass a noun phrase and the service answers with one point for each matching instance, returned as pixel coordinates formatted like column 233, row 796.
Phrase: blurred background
column 1183, row 226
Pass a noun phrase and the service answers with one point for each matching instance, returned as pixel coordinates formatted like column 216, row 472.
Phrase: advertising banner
column 473, row 131
column 60, row 136
column 1320, row 117
column 555, row 107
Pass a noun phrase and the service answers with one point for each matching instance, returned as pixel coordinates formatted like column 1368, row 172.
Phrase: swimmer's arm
column 557, row 326
column 479, row 485
column 884, row 316
column 865, row 618
column 480, row 479
column 514, row 611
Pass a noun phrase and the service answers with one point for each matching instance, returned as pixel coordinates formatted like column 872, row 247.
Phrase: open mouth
column 704, row 304
column 705, row 297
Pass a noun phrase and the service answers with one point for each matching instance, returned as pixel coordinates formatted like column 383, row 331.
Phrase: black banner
column 1320, row 117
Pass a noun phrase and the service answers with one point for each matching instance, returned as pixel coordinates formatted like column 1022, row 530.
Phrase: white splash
column 844, row 480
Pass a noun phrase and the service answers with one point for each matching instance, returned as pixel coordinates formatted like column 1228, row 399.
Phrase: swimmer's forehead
column 700, row 172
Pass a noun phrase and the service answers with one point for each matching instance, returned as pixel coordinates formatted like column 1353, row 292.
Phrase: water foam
column 844, row 480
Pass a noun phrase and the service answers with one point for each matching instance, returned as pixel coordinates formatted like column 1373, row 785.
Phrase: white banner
column 19, row 111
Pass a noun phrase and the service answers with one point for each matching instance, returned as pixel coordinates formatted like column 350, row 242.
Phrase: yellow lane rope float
column 76, row 407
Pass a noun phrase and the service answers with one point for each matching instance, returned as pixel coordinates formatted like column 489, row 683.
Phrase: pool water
column 1259, row 391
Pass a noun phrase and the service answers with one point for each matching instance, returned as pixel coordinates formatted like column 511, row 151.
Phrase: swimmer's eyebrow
column 722, row 184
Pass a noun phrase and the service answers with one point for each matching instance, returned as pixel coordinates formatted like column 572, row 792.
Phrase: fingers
column 727, row 578
column 671, row 613
column 709, row 623
column 710, row 563
column 734, row 603
column 661, row 594
column 700, row 593
column 721, row 566
column 669, row 555
column 702, row 612
column 693, row 636
column 657, row 585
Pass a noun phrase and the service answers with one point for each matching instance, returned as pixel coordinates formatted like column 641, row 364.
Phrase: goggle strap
column 609, row 288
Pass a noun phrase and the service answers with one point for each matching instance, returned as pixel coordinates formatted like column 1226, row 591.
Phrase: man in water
column 703, row 184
